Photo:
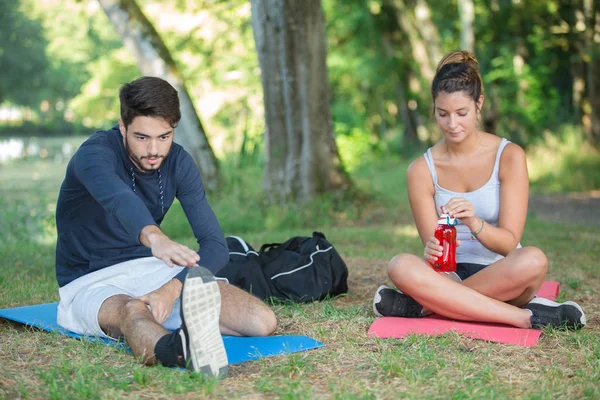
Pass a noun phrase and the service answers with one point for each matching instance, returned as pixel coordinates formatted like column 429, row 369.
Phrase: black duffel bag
column 303, row 269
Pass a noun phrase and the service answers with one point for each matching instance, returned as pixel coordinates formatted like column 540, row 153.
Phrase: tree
column 592, row 45
column 414, row 19
column 153, row 58
column 23, row 61
column 301, row 155
column 419, row 37
column 466, row 10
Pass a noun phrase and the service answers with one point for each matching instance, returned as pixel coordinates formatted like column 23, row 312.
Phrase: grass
column 367, row 232
column 563, row 162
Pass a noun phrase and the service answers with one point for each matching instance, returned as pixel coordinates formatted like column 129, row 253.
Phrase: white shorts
column 81, row 299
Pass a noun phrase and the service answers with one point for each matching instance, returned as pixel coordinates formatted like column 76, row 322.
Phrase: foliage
column 37, row 127
column 530, row 55
column 77, row 35
column 98, row 102
column 70, row 35
column 520, row 69
column 23, row 60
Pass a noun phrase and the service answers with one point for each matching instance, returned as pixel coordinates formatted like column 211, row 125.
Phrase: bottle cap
column 445, row 219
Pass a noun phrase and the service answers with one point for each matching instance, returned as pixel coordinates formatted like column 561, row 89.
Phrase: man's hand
column 161, row 300
column 172, row 253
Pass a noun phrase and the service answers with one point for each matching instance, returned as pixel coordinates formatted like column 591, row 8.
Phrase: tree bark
column 410, row 136
column 421, row 51
column 428, row 31
column 592, row 45
column 153, row 59
column 571, row 13
column 466, row 10
column 414, row 101
column 302, row 159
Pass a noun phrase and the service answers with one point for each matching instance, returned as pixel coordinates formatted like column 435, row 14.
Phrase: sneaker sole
column 377, row 299
column 201, row 307
column 550, row 303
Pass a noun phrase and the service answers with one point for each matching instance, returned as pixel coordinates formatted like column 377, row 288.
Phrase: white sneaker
column 203, row 346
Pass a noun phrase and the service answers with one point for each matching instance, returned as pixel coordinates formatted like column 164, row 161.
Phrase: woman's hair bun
column 459, row 57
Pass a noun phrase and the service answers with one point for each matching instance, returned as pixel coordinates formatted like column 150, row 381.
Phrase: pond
column 54, row 149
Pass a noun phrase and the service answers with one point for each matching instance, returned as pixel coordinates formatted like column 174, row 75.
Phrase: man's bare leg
column 123, row 316
column 243, row 314
column 197, row 345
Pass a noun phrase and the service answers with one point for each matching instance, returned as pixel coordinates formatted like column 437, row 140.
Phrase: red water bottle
column 446, row 234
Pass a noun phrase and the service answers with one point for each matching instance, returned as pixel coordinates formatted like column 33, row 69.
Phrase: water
column 55, row 149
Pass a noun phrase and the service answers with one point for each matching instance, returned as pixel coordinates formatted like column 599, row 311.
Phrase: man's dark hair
column 149, row 97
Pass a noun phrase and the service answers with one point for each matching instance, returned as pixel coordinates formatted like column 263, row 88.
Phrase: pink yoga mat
column 435, row 325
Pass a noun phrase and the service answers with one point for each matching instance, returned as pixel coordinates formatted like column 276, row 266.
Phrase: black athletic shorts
column 465, row 270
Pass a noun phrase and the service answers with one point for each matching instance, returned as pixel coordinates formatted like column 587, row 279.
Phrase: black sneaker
column 546, row 312
column 203, row 348
column 393, row 303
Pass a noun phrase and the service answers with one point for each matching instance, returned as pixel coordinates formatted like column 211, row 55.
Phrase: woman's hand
column 433, row 249
column 462, row 209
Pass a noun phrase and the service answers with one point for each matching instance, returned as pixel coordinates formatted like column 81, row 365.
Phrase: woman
column 482, row 180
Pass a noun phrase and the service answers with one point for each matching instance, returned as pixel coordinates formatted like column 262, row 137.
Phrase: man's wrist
column 151, row 234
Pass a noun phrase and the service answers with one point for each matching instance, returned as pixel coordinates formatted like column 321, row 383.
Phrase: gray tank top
column 486, row 202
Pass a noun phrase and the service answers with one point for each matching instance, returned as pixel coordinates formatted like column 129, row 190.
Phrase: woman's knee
column 404, row 269
column 530, row 263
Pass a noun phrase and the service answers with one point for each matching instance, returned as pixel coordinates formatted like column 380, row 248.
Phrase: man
column 119, row 274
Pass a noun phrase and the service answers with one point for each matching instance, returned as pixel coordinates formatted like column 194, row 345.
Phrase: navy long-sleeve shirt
column 105, row 201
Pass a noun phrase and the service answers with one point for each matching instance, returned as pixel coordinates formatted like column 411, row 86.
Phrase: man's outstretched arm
column 213, row 250
column 172, row 253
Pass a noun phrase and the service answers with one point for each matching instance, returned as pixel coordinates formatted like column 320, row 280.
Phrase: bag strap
column 267, row 246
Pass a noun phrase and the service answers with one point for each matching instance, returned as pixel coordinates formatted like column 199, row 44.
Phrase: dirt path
column 572, row 208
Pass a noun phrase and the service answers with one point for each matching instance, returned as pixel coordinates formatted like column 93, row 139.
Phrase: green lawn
column 367, row 233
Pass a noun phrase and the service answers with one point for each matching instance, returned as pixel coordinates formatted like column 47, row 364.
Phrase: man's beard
column 138, row 161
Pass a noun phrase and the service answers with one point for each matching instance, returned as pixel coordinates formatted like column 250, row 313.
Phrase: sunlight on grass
column 406, row 231
column 563, row 162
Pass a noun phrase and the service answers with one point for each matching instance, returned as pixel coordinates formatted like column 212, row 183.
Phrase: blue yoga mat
column 239, row 349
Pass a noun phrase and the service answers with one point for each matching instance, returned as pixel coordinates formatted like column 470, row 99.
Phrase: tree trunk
column 429, row 32
column 571, row 13
column 466, row 10
column 153, row 58
column 410, row 136
column 420, row 49
column 301, row 155
column 414, row 101
column 592, row 45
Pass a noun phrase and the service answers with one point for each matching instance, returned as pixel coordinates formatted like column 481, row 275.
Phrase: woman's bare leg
column 514, row 279
column 443, row 296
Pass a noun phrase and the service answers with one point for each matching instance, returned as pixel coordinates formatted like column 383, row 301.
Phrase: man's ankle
column 169, row 350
